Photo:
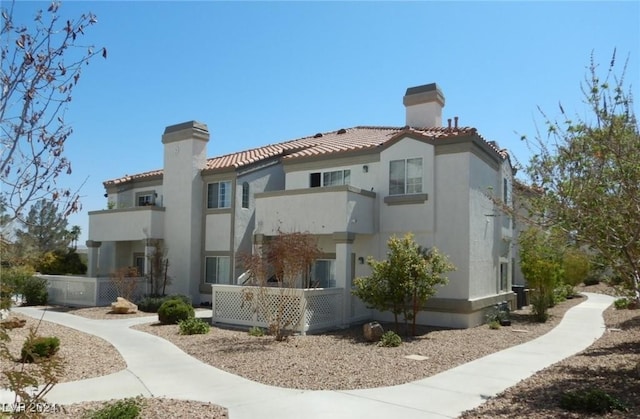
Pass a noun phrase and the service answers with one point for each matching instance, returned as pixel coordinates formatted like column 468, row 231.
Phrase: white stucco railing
column 86, row 292
column 126, row 224
column 307, row 310
column 316, row 210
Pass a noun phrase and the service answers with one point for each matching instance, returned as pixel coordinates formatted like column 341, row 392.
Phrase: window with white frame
column 405, row 176
column 219, row 195
column 333, row 178
column 217, row 270
column 323, row 273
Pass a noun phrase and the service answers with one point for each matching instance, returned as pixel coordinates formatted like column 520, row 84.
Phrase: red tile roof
column 340, row 141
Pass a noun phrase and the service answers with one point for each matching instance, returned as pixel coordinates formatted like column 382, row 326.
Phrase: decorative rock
column 373, row 331
column 13, row 323
column 123, row 306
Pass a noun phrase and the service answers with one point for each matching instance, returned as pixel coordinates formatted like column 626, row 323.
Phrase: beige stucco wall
column 183, row 190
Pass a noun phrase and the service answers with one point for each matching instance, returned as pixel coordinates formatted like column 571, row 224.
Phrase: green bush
column 121, row 409
column 562, row 292
column 621, row 303
column 61, row 262
column 34, row 291
column 16, row 276
column 256, row 331
column 172, row 311
column 390, row 339
column 494, row 324
column 193, row 326
column 591, row 280
column 39, row 347
column 151, row 303
column 590, row 401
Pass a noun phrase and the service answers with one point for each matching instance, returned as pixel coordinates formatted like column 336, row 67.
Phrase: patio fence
column 86, row 292
column 306, row 310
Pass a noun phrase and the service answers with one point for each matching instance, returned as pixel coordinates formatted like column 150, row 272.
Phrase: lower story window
column 217, row 270
column 323, row 273
column 138, row 262
column 504, row 276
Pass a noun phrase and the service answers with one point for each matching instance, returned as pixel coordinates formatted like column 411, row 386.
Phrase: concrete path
column 157, row 368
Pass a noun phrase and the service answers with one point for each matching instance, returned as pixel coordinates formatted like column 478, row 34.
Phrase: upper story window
column 245, row 195
column 219, row 195
column 405, row 176
column 336, row 177
column 145, row 199
column 505, row 190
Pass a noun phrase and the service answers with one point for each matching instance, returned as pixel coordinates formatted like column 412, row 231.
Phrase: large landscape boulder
column 373, row 331
column 123, row 306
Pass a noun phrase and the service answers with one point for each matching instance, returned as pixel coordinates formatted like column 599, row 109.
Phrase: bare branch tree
column 40, row 65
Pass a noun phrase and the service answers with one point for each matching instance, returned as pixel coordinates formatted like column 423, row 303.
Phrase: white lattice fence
column 318, row 308
column 108, row 293
column 324, row 309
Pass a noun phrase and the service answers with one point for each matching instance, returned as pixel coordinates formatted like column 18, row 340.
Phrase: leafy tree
column 588, row 173
column 576, row 265
column 61, row 262
column 40, row 65
column 45, row 230
column 541, row 264
column 74, row 235
column 404, row 282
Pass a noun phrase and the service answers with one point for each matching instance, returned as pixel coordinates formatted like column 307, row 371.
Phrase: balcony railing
column 316, row 210
column 135, row 223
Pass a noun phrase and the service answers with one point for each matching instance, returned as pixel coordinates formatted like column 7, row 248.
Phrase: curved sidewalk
column 157, row 368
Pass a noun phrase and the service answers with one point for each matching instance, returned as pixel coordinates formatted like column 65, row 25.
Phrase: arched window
column 245, row 195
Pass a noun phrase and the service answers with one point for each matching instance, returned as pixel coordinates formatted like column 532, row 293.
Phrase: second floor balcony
column 125, row 224
column 316, row 210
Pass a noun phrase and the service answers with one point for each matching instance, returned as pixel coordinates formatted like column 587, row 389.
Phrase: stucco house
column 352, row 188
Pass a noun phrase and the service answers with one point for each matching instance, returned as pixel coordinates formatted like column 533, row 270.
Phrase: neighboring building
column 352, row 188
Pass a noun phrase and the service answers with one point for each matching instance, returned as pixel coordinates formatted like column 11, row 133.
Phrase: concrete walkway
column 157, row 368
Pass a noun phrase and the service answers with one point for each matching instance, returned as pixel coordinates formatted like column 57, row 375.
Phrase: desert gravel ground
column 611, row 364
column 343, row 360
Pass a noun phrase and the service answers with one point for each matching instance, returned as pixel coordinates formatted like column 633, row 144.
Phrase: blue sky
column 264, row 72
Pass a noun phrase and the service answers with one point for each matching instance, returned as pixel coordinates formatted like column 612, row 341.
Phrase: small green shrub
column 16, row 276
column 122, row 409
column 494, row 324
column 152, row 303
column 193, row 326
column 38, row 348
column 591, row 280
column 590, row 401
column 390, row 339
column 621, row 303
column 172, row 311
column 256, row 331
column 562, row 292
column 34, row 290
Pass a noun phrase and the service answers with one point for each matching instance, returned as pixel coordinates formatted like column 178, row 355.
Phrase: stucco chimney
column 424, row 106
column 185, row 155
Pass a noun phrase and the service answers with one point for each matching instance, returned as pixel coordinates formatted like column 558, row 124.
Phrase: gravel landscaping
column 611, row 364
column 343, row 360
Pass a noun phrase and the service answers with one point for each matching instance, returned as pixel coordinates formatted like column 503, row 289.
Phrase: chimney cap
column 421, row 89
column 423, row 94
column 186, row 125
